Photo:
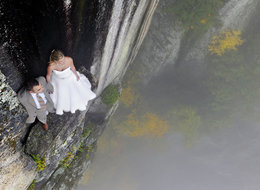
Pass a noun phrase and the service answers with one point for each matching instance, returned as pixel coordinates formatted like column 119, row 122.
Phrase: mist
column 187, row 124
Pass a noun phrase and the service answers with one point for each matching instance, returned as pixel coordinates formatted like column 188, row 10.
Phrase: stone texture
column 120, row 29
column 128, row 25
column 96, row 120
column 64, row 134
column 162, row 44
column 234, row 9
column 234, row 15
column 17, row 170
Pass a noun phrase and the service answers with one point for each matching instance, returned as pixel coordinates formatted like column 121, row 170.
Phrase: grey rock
column 120, row 28
column 63, row 135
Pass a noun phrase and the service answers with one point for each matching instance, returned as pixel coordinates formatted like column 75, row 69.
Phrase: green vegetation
column 86, row 132
column 32, row 186
column 40, row 162
column 234, row 84
column 227, row 90
column 187, row 122
column 81, row 147
column 110, row 95
column 89, row 150
column 65, row 163
column 233, row 81
column 196, row 14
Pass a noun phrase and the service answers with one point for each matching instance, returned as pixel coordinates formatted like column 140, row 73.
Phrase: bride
column 72, row 90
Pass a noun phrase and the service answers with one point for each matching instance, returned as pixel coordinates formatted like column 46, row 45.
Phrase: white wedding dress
column 69, row 94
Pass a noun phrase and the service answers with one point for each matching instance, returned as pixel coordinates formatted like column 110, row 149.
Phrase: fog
column 219, row 162
column 225, row 158
column 191, row 125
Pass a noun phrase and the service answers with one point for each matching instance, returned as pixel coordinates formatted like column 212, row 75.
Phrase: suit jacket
column 27, row 100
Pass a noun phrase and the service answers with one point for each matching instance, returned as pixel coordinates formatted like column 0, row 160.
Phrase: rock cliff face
column 102, row 36
column 167, row 43
column 128, row 18
column 234, row 15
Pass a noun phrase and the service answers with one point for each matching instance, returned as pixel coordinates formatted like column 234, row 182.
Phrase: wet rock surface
column 64, row 133
column 105, row 38
column 16, row 168
column 68, row 177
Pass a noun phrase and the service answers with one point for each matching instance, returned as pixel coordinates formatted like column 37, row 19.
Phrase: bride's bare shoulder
column 51, row 64
column 68, row 58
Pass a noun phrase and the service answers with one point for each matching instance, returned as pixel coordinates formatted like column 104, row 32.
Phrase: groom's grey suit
column 27, row 100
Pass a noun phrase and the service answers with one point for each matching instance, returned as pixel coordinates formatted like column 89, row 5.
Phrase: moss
column 32, row 186
column 91, row 126
column 90, row 148
column 7, row 96
column 40, row 162
column 12, row 143
column 65, row 163
column 86, row 132
column 110, row 95
column 81, row 147
column 64, row 142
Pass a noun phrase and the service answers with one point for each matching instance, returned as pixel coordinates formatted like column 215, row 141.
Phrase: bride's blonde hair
column 56, row 55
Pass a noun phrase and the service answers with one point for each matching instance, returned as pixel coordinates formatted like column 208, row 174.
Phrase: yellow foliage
column 149, row 125
column 203, row 21
column 127, row 97
column 224, row 41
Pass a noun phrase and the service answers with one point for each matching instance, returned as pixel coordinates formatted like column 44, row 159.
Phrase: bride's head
column 56, row 55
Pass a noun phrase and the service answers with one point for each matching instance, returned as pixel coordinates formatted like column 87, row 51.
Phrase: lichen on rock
column 7, row 95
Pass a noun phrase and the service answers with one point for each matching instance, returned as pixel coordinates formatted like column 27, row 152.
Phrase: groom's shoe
column 45, row 126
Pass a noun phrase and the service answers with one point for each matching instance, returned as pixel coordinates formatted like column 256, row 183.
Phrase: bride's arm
column 48, row 76
column 73, row 68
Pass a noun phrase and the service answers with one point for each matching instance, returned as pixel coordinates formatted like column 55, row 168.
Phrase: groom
column 35, row 97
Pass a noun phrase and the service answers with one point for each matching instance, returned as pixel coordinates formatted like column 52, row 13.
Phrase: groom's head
column 33, row 86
